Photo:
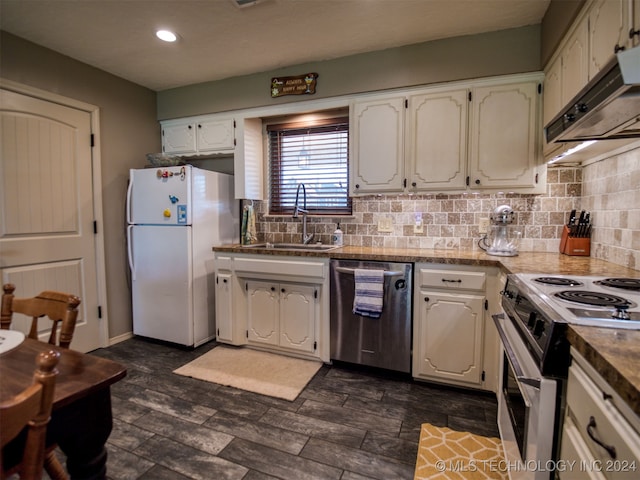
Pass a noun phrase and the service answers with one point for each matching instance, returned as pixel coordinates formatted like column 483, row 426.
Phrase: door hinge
column 246, row 286
column 483, row 376
column 468, row 179
column 539, row 88
column 93, row 143
column 247, row 333
column 95, row 227
column 315, row 294
column 470, row 95
column 234, row 142
column 234, row 124
column 537, row 177
column 404, row 183
column 315, row 345
column 486, row 304
column 217, row 279
column 99, row 311
column 217, row 332
column 406, row 103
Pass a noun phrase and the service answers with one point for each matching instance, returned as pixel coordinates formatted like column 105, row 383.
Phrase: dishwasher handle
column 387, row 273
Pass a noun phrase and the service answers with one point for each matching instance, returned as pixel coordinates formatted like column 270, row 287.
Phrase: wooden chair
column 31, row 408
column 58, row 307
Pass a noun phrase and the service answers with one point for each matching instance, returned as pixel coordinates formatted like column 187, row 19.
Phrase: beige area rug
column 255, row 371
column 446, row 454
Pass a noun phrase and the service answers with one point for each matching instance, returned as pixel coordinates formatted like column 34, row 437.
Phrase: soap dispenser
column 337, row 236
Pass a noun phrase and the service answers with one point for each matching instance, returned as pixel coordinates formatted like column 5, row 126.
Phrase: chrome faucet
column 305, row 238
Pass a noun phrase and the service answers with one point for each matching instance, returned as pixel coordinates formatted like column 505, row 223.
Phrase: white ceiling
column 219, row 40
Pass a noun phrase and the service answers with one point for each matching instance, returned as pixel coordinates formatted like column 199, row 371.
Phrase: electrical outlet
column 385, row 224
column 483, row 227
column 417, row 226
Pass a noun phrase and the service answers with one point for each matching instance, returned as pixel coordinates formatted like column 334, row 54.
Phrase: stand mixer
column 503, row 239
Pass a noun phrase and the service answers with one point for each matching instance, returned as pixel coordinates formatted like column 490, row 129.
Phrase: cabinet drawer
column 591, row 412
column 451, row 279
column 575, row 453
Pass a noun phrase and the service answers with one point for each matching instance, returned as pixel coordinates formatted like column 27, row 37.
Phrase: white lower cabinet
column 224, row 307
column 276, row 303
column 450, row 340
column 282, row 314
column 600, row 434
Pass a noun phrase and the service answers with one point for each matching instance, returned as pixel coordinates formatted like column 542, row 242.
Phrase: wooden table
column 81, row 419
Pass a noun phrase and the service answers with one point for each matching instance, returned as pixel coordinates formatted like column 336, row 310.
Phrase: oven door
column 526, row 408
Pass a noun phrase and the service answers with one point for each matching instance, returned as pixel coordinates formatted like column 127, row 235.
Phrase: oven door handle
column 517, row 369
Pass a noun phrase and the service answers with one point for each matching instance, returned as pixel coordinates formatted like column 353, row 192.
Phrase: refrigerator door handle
column 130, row 252
column 129, row 190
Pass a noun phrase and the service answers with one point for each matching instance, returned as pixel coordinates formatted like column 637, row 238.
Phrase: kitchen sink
column 312, row 247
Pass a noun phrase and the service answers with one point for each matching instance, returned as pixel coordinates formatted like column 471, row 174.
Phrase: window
column 316, row 156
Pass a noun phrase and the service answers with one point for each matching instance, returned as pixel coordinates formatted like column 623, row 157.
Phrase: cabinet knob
column 357, row 185
column 199, row 126
column 426, row 299
column 224, row 280
column 477, row 181
column 273, row 289
column 282, row 290
column 414, row 184
column 618, row 48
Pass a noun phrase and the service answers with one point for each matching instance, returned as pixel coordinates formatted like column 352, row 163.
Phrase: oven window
column 516, row 406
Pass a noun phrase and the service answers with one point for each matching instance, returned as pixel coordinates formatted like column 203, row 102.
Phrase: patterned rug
column 446, row 454
column 255, row 371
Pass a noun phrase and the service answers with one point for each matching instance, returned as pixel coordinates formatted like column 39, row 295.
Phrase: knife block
column 575, row 246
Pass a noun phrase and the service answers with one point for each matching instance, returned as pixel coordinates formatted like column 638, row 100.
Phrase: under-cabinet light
column 571, row 151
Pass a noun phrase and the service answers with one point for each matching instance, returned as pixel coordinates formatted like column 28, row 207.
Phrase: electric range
column 542, row 306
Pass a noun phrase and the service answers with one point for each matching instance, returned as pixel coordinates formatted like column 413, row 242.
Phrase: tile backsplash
column 449, row 220
column 609, row 189
column 611, row 192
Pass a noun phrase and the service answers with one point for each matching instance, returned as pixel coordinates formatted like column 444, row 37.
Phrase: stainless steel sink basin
column 312, row 247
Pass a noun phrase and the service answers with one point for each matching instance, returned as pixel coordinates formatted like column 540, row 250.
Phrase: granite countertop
column 614, row 353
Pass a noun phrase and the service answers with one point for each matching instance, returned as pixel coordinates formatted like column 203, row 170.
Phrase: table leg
column 81, row 430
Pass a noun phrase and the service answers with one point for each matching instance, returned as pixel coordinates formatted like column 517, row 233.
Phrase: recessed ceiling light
column 166, row 36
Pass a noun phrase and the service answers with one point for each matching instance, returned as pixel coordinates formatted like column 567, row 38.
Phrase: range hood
column 607, row 108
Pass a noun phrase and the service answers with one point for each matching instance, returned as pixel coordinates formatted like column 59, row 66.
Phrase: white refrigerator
column 175, row 216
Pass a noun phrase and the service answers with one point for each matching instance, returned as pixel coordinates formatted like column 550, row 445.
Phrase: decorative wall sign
column 298, row 85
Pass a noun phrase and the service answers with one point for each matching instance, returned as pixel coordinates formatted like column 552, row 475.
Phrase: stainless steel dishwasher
column 383, row 342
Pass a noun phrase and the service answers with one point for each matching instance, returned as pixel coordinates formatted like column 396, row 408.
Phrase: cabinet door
column 575, row 65
column 262, row 312
column 609, row 25
column 450, row 337
column 377, row 146
column 552, row 98
column 224, row 307
column 635, row 24
column 437, row 140
column 297, row 317
column 178, row 138
column 215, row 135
column 504, row 136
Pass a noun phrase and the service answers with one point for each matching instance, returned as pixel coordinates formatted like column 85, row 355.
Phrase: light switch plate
column 483, row 227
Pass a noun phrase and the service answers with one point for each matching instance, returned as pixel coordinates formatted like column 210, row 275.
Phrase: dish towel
column 248, row 225
column 369, row 292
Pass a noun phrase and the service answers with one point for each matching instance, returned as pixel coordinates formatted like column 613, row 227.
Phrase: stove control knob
column 532, row 319
column 538, row 330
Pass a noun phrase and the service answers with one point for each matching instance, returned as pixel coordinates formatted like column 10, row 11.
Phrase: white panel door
column 161, row 282
column 47, row 239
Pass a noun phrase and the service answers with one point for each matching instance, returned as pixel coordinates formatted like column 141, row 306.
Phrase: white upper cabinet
column 479, row 135
column 377, row 145
column 437, row 140
column 635, row 34
column 609, row 25
column 504, row 136
column 204, row 135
